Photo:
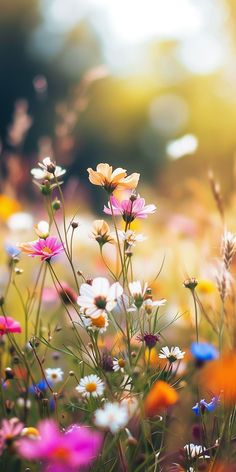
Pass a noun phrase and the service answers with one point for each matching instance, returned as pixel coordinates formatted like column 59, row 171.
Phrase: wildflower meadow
column 99, row 368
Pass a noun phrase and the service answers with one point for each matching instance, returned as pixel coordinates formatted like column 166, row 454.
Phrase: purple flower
column 149, row 339
column 129, row 209
column 62, row 452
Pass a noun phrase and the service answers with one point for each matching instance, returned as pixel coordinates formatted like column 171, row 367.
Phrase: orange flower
column 101, row 233
column 161, row 396
column 112, row 180
column 219, row 377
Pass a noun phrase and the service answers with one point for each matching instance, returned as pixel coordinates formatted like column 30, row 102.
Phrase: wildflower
column 30, row 432
column 129, row 209
column 10, row 429
column 96, row 324
column 99, row 296
column 173, row 354
column 204, row 351
column 131, row 238
column 20, row 221
column 91, row 386
column 191, row 283
column 48, row 170
column 42, row 229
column 54, row 375
column 194, row 451
column 119, row 364
column 107, row 362
column 41, row 386
column 206, row 286
column 220, row 377
column 110, row 180
column 149, row 339
column 161, row 396
column 137, row 292
column 61, row 452
column 101, row 233
column 113, row 416
column 203, row 406
column 8, row 206
column 67, row 294
column 9, row 325
column 45, row 248
column 12, row 250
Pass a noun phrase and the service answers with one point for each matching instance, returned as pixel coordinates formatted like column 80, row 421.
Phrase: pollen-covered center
column 54, row 376
column 47, row 250
column 61, row 453
column 100, row 302
column 99, row 322
column 121, row 363
column 91, row 387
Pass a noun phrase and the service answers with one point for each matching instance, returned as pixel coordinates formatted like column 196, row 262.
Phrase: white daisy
column 44, row 173
column 99, row 296
column 149, row 304
column 96, row 324
column 118, row 364
column 173, row 354
column 194, row 450
column 91, row 385
column 113, row 416
column 54, row 375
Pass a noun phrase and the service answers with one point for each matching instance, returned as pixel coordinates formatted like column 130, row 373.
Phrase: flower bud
column 56, row 204
column 9, row 373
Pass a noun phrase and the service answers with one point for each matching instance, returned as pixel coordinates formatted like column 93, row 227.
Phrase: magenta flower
column 9, row 431
column 62, row 452
column 9, row 325
column 46, row 248
column 129, row 209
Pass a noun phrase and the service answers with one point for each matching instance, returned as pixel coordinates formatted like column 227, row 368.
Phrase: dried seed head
column 191, row 283
column 228, row 248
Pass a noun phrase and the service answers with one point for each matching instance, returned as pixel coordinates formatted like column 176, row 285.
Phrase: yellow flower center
column 121, row 363
column 99, row 322
column 47, row 250
column 91, row 387
column 30, row 431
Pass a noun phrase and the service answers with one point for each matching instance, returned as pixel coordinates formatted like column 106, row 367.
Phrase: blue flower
column 204, row 351
column 203, row 405
column 41, row 386
column 12, row 250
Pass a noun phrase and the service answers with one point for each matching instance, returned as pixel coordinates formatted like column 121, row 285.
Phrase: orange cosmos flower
column 110, row 180
column 101, row 233
column 161, row 396
column 219, row 377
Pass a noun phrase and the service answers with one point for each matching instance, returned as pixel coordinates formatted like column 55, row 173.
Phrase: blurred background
column 145, row 84
column 148, row 85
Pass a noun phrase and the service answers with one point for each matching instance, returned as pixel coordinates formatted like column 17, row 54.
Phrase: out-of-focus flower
column 161, row 396
column 204, row 351
column 48, row 170
column 12, row 250
column 205, row 286
column 150, row 304
column 137, row 292
column 96, row 324
column 101, row 233
column 203, row 406
column 23, row 403
column 193, row 451
column 10, row 429
column 149, row 339
column 119, row 364
column 99, row 296
column 54, row 375
column 173, row 354
column 9, row 325
column 191, row 283
column 129, row 209
column 21, row 221
column 110, row 180
column 45, row 248
column 41, row 386
column 219, row 377
column 30, row 432
column 8, row 206
column 131, row 238
column 61, row 452
column 42, row 229
column 91, row 386
column 67, row 294
column 113, row 416
column 183, row 146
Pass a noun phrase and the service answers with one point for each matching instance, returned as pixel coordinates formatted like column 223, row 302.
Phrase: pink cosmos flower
column 46, row 248
column 62, row 452
column 9, row 325
column 9, row 431
column 129, row 209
